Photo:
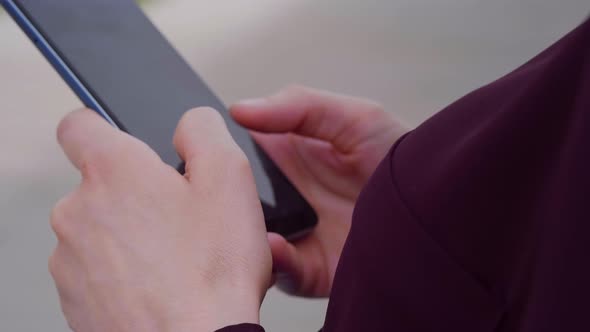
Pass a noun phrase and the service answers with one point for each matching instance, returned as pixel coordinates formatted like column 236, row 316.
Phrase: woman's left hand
column 142, row 248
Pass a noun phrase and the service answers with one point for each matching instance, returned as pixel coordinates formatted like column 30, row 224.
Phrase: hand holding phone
column 120, row 66
column 142, row 248
column 328, row 145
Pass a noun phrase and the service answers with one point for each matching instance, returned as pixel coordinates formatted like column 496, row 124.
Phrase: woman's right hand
column 328, row 145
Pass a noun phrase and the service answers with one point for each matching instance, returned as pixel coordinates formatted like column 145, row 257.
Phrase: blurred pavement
column 414, row 56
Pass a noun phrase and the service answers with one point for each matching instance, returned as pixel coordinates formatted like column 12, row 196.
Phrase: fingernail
column 256, row 102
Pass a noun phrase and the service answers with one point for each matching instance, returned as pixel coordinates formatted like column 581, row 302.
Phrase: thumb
column 203, row 141
column 307, row 112
column 287, row 264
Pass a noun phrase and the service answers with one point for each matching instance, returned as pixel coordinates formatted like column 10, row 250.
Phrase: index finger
column 307, row 112
column 86, row 138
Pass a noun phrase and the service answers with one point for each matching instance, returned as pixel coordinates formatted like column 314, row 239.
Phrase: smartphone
column 122, row 67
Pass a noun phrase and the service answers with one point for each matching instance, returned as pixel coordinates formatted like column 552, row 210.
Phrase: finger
column 296, row 156
column 90, row 142
column 81, row 132
column 202, row 138
column 307, row 112
column 288, row 269
column 61, row 215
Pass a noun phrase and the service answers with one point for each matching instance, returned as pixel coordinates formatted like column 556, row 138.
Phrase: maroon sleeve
column 242, row 328
column 479, row 220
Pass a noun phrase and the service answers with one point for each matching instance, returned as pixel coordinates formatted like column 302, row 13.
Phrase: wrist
column 218, row 309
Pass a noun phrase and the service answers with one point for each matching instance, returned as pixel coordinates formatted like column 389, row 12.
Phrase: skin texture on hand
column 142, row 248
column 328, row 145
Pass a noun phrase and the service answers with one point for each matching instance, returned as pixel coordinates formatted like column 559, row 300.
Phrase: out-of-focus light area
column 414, row 56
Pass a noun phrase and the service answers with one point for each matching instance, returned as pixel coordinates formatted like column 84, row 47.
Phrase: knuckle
column 53, row 265
column 57, row 222
column 91, row 164
column 99, row 168
column 59, row 218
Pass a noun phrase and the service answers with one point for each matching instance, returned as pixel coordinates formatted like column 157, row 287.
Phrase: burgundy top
column 478, row 220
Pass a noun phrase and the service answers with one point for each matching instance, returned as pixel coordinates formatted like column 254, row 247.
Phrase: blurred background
column 414, row 56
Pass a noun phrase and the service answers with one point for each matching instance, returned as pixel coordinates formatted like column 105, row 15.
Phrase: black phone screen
column 145, row 86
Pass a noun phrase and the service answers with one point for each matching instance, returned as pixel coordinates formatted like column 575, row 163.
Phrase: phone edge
column 67, row 74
